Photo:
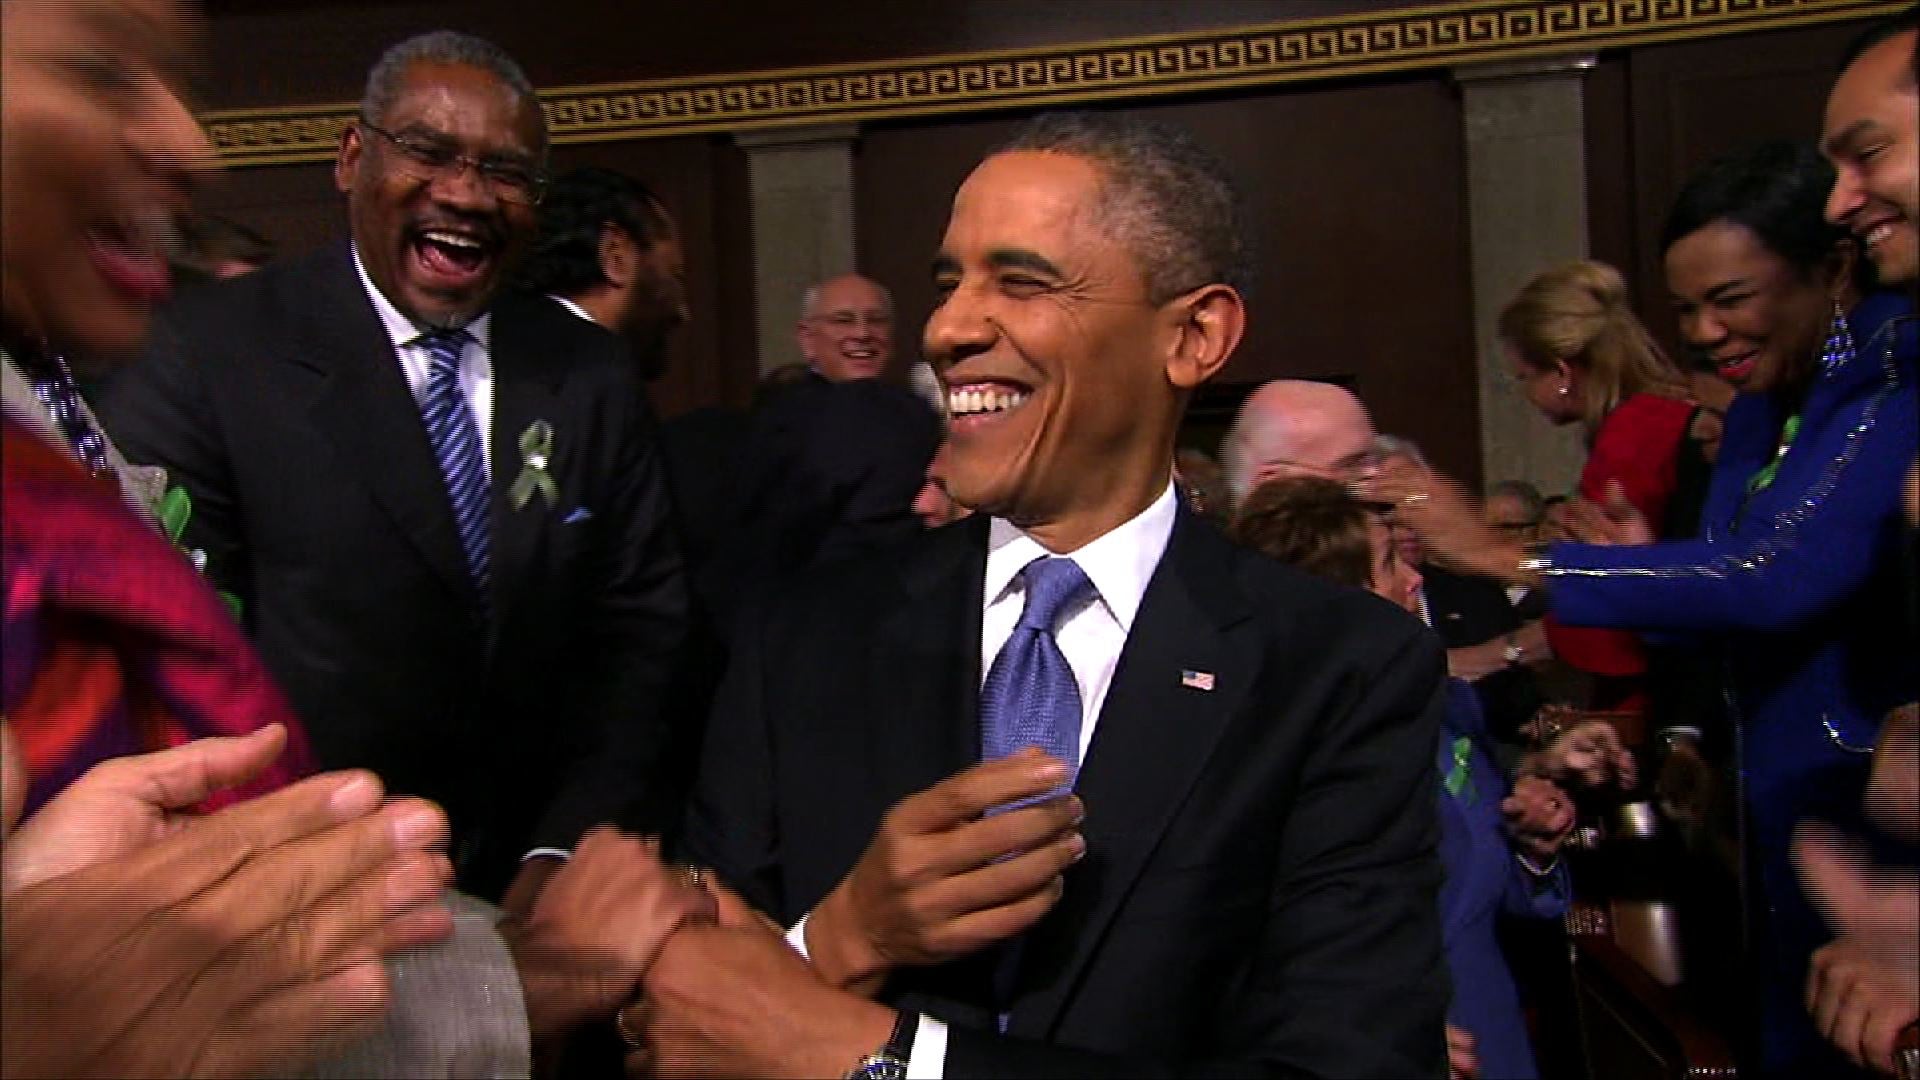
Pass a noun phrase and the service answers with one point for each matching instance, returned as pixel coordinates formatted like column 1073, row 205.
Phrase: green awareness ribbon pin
column 175, row 509
column 1763, row 477
column 536, row 452
column 1460, row 777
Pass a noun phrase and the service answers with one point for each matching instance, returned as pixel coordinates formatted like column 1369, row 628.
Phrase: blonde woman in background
column 1580, row 356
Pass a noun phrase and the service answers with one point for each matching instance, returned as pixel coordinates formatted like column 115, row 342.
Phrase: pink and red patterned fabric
column 111, row 643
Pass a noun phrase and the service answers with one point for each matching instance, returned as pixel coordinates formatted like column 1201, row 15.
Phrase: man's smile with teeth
column 976, row 400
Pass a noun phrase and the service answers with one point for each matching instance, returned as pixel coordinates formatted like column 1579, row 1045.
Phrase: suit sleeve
column 634, row 623
column 1348, row 977
column 159, row 412
column 730, row 817
column 1822, row 548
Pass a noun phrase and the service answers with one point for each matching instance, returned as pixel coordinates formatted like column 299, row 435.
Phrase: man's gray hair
column 1522, row 492
column 1167, row 198
column 439, row 47
column 1386, row 447
column 810, row 300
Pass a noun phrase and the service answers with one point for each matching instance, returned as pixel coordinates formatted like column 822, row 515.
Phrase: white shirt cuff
column 550, row 852
column 929, row 1058
column 928, row 1061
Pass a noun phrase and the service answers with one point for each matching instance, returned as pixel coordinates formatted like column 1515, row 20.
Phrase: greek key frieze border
column 1440, row 35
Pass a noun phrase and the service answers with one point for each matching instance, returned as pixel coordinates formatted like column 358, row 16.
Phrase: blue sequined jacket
column 1804, row 583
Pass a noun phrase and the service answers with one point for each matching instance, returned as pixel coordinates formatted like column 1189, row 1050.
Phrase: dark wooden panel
column 1358, row 218
column 282, row 52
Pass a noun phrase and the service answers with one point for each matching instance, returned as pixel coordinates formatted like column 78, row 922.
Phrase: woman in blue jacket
column 1802, row 566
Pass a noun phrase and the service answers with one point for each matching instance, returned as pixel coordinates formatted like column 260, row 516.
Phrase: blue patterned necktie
column 56, row 390
column 456, row 443
column 1030, row 697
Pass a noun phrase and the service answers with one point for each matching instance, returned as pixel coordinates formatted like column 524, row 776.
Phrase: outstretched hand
column 1441, row 513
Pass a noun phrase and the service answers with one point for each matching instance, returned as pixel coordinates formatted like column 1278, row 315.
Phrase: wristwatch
column 1513, row 653
column 890, row 1061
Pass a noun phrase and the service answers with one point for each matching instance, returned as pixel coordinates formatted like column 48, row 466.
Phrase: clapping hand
column 1585, row 755
column 245, row 941
column 1863, row 989
column 1463, row 1063
column 1539, row 817
column 1613, row 523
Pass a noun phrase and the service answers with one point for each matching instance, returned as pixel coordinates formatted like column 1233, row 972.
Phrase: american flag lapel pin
column 1197, row 680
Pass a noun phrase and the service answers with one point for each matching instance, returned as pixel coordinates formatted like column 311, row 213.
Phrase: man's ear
column 1208, row 325
column 346, row 167
column 617, row 255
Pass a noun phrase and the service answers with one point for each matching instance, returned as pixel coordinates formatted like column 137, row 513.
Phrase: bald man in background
column 1293, row 427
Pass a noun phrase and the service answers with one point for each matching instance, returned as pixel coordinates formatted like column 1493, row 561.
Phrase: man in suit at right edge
column 1242, row 879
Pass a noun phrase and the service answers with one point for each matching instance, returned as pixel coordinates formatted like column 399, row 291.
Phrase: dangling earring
column 1564, row 390
column 1838, row 349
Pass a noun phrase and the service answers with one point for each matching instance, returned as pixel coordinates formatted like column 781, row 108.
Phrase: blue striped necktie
column 456, row 443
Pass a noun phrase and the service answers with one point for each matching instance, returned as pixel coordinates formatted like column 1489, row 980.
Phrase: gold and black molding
column 1432, row 36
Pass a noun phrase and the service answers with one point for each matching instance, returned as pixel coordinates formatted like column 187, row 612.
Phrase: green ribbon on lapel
column 174, row 510
column 1460, row 777
column 536, row 453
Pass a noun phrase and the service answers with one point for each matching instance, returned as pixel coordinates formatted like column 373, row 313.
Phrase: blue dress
column 1803, row 581
column 1484, row 880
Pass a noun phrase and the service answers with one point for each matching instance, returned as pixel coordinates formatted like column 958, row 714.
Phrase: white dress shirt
column 1090, row 634
column 571, row 306
column 476, row 359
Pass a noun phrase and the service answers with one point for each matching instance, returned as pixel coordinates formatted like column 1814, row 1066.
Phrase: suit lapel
column 1154, row 736
column 927, row 660
column 362, row 404
column 524, row 390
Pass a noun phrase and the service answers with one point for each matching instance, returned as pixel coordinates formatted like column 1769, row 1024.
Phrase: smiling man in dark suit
column 1242, row 880
column 438, row 504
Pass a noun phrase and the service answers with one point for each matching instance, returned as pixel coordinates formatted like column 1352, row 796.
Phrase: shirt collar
column 1119, row 562
column 401, row 329
column 570, row 306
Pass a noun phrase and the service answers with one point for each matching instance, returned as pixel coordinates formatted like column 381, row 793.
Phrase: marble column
column 1527, row 206
column 802, row 207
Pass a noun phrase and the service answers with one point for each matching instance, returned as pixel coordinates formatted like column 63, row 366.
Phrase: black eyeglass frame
column 440, row 160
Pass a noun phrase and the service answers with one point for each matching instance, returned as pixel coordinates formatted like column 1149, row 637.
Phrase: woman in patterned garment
column 110, row 644
column 1797, row 575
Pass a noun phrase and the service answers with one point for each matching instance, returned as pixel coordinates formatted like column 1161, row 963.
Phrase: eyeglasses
column 852, row 319
column 431, row 159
